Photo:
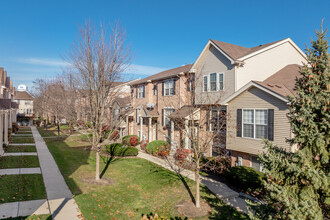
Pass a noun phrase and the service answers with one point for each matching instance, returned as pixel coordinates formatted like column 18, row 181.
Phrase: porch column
column 10, row 118
column 1, row 134
column 127, row 126
column 149, row 128
column 172, row 134
column 6, row 129
column 186, row 138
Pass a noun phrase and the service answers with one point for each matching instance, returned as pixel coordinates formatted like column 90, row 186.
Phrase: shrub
column 114, row 135
column 143, row 145
column 89, row 124
column 218, row 164
column 133, row 141
column 181, row 153
column 126, row 139
column 15, row 127
column 245, row 178
column 158, row 148
column 119, row 150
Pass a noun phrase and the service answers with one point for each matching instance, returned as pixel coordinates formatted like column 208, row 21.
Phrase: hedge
column 126, row 139
column 154, row 147
column 245, row 178
column 120, row 150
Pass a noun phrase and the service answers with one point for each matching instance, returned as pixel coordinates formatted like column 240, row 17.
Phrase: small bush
column 119, row 150
column 245, row 178
column 218, row 164
column 158, row 148
column 133, row 141
column 143, row 145
column 181, row 153
column 89, row 124
column 15, row 127
column 126, row 140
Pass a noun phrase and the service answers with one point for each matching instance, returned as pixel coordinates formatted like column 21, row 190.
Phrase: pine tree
column 298, row 183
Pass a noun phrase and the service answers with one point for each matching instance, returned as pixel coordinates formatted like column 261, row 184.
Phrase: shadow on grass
column 107, row 161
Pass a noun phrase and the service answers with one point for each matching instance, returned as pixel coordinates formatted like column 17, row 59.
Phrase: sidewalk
column 221, row 190
column 59, row 202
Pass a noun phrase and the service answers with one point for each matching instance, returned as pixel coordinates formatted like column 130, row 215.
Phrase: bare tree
column 98, row 59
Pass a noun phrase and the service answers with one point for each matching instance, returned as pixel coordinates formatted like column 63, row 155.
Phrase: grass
column 34, row 217
column 21, row 188
column 15, row 139
column 19, row 162
column 139, row 186
column 23, row 128
column 13, row 149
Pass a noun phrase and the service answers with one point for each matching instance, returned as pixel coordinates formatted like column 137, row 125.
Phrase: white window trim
column 217, row 81
column 169, row 88
column 254, row 122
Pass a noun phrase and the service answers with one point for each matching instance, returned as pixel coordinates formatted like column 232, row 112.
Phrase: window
column 140, row 92
column 27, row 102
column 255, row 122
column 155, row 89
column 167, row 120
column 218, row 119
column 191, row 82
column 221, row 81
column 213, row 82
column 132, row 93
column 169, row 88
column 205, row 84
column 239, row 161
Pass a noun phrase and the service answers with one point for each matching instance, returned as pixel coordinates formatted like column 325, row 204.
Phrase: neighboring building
column 25, row 101
column 120, row 114
column 7, row 106
column 259, row 110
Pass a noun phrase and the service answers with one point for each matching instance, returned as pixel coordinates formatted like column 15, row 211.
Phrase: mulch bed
column 188, row 209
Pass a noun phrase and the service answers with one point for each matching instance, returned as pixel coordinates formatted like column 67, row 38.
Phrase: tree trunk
column 97, row 175
column 197, row 179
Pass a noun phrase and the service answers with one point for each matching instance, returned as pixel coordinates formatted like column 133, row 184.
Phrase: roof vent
column 270, row 85
column 278, row 86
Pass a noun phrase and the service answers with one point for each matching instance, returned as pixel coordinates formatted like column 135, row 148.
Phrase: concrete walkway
column 59, row 202
column 221, row 190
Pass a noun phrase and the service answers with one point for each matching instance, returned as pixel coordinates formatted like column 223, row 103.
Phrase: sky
column 35, row 35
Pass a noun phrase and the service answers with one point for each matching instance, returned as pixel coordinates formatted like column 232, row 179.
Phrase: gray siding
column 213, row 61
column 255, row 98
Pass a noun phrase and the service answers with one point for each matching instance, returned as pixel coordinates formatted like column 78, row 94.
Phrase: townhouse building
column 153, row 99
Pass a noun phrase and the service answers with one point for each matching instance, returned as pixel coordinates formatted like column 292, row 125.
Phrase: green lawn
column 15, row 139
column 13, row 149
column 139, row 186
column 19, row 162
column 21, row 187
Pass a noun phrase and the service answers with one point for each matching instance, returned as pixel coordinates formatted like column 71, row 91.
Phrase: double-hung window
column 205, row 84
column 155, row 89
column 255, row 122
column 140, row 92
column 169, row 88
column 213, row 82
column 167, row 120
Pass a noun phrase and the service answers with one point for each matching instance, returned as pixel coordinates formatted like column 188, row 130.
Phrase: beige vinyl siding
column 255, row 98
column 213, row 61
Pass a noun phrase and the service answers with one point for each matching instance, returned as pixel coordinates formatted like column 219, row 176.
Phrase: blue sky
column 35, row 34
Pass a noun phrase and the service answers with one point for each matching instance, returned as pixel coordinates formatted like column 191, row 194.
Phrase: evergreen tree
column 298, row 183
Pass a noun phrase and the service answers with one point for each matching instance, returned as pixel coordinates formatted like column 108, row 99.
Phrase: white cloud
column 43, row 61
column 133, row 69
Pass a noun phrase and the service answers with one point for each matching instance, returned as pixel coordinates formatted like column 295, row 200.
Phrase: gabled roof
column 22, row 95
column 237, row 54
column 165, row 74
column 280, row 85
column 123, row 101
column 184, row 112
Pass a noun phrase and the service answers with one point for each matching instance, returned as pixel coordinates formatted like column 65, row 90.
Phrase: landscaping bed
column 15, row 139
column 19, row 162
column 22, row 148
column 21, row 188
column 138, row 186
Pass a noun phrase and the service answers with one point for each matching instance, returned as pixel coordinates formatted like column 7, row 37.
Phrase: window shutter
column 144, row 91
column 137, row 92
column 163, row 116
column 174, row 82
column 239, row 123
column 163, row 88
column 207, row 122
column 271, row 124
